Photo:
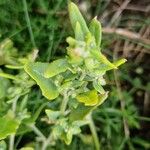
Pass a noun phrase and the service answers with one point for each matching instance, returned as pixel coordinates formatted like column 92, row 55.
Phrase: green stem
column 11, row 142
column 37, row 132
column 94, row 133
column 12, row 137
column 64, row 103
column 46, row 142
column 28, row 23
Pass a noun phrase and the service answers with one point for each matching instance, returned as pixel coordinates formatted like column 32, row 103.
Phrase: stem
column 94, row 133
column 12, row 137
column 64, row 103
column 11, row 142
column 28, row 23
column 46, row 142
column 38, row 132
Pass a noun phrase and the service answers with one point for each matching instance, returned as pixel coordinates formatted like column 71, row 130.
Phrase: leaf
column 14, row 67
column 82, row 111
column 36, row 71
column 72, row 130
column 101, row 58
column 56, row 67
column 79, row 35
column 75, row 16
column 27, row 148
column 52, row 115
column 98, row 87
column 3, row 145
column 4, row 83
column 35, row 115
column 8, row 76
column 102, row 98
column 119, row 62
column 89, row 98
column 96, row 30
column 8, row 126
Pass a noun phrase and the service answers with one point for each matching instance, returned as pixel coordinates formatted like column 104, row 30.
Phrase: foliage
column 71, row 88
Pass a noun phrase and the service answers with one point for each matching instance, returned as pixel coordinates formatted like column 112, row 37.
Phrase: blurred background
column 123, row 121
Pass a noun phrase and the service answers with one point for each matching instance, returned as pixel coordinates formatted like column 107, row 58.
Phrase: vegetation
column 53, row 97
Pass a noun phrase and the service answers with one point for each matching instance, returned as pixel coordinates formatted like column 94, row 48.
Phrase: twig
column 126, row 33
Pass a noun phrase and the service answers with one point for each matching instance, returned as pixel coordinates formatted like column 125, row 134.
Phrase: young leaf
column 36, row 71
column 27, row 148
column 96, row 30
column 4, row 83
column 52, row 115
column 35, row 115
column 119, row 62
column 75, row 16
column 102, row 98
column 8, row 126
column 80, row 112
column 98, row 87
column 56, row 67
column 79, row 35
column 8, row 76
column 101, row 58
column 89, row 98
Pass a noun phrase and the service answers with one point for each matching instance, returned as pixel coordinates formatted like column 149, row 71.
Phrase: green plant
column 75, row 81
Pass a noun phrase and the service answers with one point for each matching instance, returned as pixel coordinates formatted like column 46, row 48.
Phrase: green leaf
column 119, row 62
column 75, row 16
column 36, row 71
column 79, row 35
column 98, row 87
column 96, row 30
column 14, row 67
column 8, row 76
column 56, row 67
column 52, row 115
column 8, row 126
column 89, row 98
column 35, row 115
column 3, row 145
column 80, row 112
column 27, row 148
column 102, row 98
column 4, row 83
column 101, row 58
